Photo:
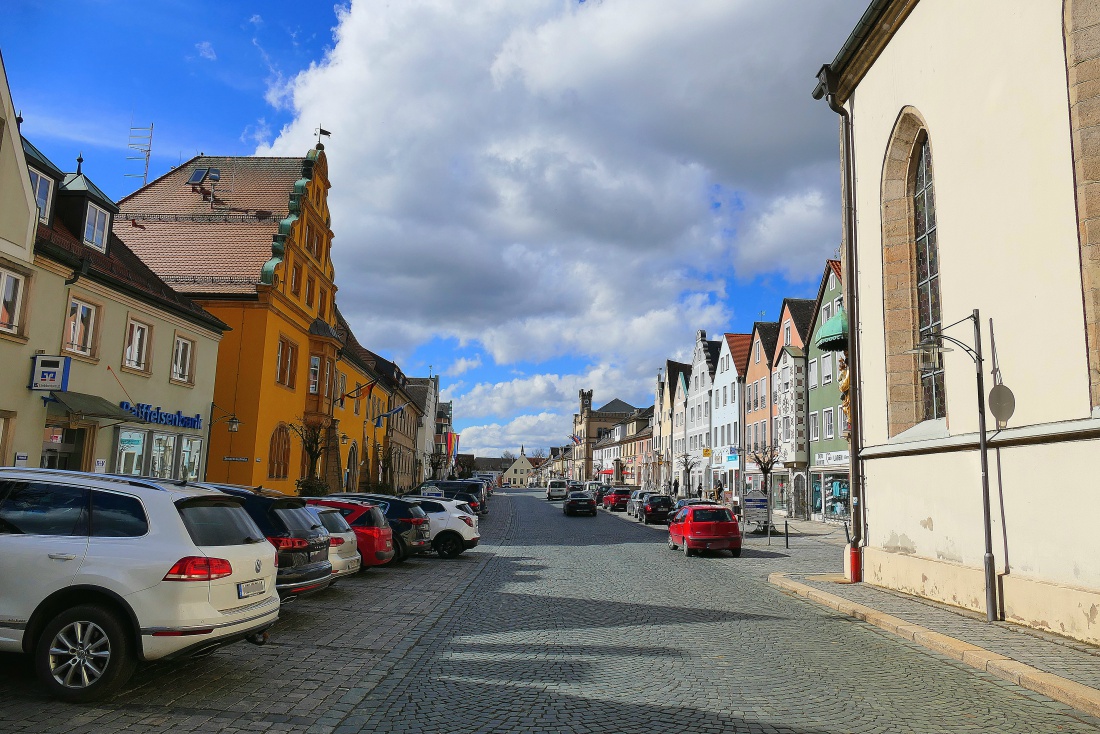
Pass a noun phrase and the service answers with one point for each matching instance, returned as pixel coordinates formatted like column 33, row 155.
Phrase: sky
column 529, row 197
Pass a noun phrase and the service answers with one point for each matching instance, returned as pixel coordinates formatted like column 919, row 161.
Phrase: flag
column 398, row 409
column 575, row 439
column 455, row 453
column 322, row 131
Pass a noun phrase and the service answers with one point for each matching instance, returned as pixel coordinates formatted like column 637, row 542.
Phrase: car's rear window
column 622, row 492
column 295, row 517
column 578, row 496
column 715, row 515
column 332, row 521
column 212, row 522
column 659, row 501
column 415, row 511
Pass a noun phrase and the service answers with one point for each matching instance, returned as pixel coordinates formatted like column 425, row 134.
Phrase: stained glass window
column 928, row 279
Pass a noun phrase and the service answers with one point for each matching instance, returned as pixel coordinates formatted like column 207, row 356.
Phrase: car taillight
column 467, row 519
column 417, row 520
column 199, row 568
column 335, row 541
column 288, row 543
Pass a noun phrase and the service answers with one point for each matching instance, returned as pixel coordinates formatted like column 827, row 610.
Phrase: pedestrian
column 675, row 487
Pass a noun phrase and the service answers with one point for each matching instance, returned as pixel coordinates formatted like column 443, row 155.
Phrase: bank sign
column 149, row 414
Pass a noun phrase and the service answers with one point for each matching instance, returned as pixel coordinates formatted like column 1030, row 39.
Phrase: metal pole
column 990, row 571
column 787, row 533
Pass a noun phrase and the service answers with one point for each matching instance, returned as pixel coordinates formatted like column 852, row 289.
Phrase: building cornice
column 874, row 30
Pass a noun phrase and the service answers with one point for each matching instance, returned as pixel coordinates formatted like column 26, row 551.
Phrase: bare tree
column 766, row 456
column 438, row 462
column 508, row 456
column 539, row 453
column 464, row 466
column 313, row 434
column 687, row 464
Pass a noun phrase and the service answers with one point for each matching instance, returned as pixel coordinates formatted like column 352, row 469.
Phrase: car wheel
column 736, row 552
column 671, row 545
column 400, row 553
column 645, row 519
column 688, row 552
column 448, row 546
column 84, row 654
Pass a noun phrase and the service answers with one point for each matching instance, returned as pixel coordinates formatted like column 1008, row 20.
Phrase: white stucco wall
column 989, row 77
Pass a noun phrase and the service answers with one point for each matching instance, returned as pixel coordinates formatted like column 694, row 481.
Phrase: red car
column 617, row 499
column 704, row 527
column 373, row 535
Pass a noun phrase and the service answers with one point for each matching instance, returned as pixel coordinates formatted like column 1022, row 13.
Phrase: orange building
column 250, row 239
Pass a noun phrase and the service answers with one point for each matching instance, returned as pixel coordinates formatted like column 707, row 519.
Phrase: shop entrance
column 66, row 446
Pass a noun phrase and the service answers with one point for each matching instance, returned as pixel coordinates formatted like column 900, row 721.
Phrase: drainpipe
column 826, row 87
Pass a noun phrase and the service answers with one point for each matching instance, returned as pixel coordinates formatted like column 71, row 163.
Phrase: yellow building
column 250, row 239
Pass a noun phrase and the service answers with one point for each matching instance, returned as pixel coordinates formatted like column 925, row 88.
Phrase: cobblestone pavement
column 561, row 624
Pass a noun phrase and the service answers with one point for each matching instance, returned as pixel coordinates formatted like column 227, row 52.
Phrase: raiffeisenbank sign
column 150, row 414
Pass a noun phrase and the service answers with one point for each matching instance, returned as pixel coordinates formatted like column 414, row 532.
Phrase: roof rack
column 116, row 478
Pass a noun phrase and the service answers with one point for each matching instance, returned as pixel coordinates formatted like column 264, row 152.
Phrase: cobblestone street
column 559, row 624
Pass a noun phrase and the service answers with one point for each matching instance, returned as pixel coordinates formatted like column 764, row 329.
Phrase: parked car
column 102, row 572
column 557, row 489
column 601, row 492
column 579, row 503
column 617, row 498
column 373, row 535
column 343, row 551
column 704, row 527
column 410, row 525
column 655, row 508
column 460, row 490
column 636, row 500
column 453, row 528
column 593, row 489
column 300, row 539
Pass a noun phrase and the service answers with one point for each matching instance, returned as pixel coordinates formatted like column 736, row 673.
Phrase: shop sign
column 100, row 466
column 731, row 458
column 831, row 458
column 155, row 415
column 706, row 453
column 235, row 458
column 50, row 373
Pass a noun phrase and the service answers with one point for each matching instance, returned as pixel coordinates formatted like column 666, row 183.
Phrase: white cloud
column 463, row 365
column 256, row 19
column 553, row 178
column 541, row 430
column 258, row 133
column 206, row 50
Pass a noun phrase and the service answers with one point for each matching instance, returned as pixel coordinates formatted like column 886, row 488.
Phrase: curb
column 1079, row 696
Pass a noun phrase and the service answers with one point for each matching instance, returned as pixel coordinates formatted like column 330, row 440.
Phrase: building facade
column 727, row 459
column 758, row 404
column 943, row 248
column 589, row 425
column 790, row 491
column 704, row 361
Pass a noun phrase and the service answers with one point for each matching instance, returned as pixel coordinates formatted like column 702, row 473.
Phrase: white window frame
column 787, row 333
column 829, row 427
column 814, row 433
column 826, row 369
column 86, row 350
column 7, row 276
column 37, row 179
column 100, row 243
column 832, row 281
column 826, row 312
column 837, row 302
column 143, row 362
column 758, row 351
column 314, row 374
column 813, row 373
column 181, row 373
column 725, row 394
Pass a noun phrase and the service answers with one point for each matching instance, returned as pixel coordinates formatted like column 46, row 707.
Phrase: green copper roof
column 78, row 182
column 35, row 158
column 833, row 334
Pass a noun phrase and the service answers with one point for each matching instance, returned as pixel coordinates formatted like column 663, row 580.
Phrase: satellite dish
column 1002, row 404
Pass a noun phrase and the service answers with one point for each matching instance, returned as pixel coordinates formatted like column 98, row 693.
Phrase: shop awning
column 833, row 334
column 81, row 405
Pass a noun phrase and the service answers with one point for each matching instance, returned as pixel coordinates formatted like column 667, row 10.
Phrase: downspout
column 826, row 87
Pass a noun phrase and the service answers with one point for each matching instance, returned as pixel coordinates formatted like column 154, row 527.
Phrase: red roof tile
column 740, row 345
column 199, row 246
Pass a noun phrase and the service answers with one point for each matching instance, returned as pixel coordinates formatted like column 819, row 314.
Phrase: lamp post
column 232, row 423
column 929, row 350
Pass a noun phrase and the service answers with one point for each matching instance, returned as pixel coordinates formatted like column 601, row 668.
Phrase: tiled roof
column 617, row 406
column 419, row 395
column 769, row 335
column 120, row 267
column 714, row 348
column 835, row 266
column 802, row 313
column 740, row 346
column 200, row 246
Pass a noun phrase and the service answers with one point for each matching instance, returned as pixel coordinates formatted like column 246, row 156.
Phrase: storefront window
column 190, row 458
column 131, row 453
column 836, row 495
column 780, row 491
column 164, row 456
column 815, row 493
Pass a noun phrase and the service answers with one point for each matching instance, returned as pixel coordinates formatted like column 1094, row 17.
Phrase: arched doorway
column 352, row 482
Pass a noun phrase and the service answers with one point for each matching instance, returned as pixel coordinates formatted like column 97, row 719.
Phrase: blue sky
column 528, row 198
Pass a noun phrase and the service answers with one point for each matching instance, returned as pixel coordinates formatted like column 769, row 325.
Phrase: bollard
column 786, row 534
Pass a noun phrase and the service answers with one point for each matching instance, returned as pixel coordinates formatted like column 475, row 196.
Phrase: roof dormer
column 85, row 209
column 45, row 178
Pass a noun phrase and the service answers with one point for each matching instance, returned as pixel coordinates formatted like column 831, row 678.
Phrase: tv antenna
column 141, row 142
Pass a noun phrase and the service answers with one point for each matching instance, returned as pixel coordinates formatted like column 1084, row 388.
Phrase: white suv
column 453, row 529
column 556, row 489
column 103, row 572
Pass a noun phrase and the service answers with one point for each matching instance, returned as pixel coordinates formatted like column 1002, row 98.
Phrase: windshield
column 708, row 515
column 332, row 521
column 295, row 517
column 218, row 522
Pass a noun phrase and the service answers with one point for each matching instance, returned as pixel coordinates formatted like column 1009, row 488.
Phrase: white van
column 556, row 489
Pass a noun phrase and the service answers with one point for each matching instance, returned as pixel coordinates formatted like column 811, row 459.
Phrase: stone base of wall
column 1064, row 610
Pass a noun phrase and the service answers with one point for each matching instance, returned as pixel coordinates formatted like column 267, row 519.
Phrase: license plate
column 354, row 564
column 320, row 555
column 250, row 588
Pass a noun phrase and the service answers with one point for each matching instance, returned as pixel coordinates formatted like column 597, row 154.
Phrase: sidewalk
column 1057, row 667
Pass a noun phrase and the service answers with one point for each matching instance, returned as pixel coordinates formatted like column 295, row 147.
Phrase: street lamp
column 929, row 352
